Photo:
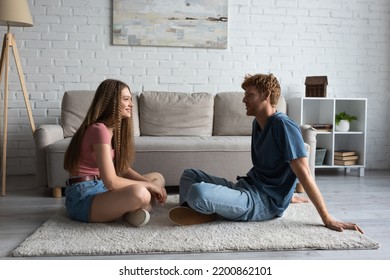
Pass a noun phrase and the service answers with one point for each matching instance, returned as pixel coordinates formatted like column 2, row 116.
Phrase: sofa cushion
column 74, row 107
column 176, row 114
column 230, row 115
column 192, row 144
column 135, row 112
column 225, row 156
column 282, row 105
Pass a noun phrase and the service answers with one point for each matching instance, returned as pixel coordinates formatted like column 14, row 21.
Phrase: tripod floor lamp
column 12, row 13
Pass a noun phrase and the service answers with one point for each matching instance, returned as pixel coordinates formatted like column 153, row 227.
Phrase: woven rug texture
column 300, row 228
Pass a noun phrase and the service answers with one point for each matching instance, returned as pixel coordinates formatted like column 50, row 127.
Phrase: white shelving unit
column 314, row 110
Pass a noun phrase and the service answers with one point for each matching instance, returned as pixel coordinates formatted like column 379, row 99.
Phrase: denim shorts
column 79, row 197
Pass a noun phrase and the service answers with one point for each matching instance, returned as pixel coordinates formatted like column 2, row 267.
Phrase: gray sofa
column 173, row 131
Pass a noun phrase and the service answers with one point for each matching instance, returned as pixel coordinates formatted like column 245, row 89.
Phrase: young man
column 279, row 160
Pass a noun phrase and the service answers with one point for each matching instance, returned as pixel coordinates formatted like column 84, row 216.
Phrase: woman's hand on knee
column 158, row 192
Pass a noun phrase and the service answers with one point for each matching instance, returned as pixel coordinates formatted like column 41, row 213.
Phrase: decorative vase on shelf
column 343, row 126
column 343, row 120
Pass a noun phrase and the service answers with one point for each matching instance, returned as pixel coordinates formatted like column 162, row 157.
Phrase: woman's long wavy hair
column 105, row 108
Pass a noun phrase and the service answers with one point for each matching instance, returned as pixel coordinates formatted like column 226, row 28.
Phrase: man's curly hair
column 267, row 84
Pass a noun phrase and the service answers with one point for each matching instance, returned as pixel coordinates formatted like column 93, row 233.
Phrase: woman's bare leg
column 156, row 178
column 112, row 205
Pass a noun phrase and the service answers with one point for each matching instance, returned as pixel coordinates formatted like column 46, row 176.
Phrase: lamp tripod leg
column 4, row 65
column 23, row 84
column 8, row 42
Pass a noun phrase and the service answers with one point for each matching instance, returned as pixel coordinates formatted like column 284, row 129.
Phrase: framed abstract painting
column 171, row 23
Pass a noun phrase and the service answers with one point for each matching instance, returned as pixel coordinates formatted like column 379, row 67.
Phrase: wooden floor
column 364, row 200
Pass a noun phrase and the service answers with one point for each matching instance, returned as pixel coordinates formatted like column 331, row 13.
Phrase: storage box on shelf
column 322, row 111
column 320, row 156
column 316, row 86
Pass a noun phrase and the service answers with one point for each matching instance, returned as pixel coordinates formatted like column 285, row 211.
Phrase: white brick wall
column 69, row 47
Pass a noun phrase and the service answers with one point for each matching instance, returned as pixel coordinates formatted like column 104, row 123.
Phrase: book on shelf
column 345, row 158
column 345, row 162
column 322, row 126
column 344, row 153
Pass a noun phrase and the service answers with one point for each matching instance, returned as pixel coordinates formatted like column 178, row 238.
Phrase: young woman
column 102, row 186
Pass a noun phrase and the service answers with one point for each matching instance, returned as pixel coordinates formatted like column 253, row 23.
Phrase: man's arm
column 301, row 169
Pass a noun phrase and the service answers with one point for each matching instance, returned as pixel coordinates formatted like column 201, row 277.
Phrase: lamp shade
column 15, row 13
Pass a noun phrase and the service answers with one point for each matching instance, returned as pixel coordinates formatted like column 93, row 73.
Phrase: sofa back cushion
column 230, row 115
column 74, row 107
column 176, row 113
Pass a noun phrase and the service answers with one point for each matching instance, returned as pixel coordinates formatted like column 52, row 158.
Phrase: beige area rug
column 299, row 229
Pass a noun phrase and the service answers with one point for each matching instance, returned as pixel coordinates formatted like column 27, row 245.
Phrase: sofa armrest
column 309, row 135
column 45, row 135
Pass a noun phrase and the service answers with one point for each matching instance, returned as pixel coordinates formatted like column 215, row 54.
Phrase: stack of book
column 344, row 157
column 322, row 127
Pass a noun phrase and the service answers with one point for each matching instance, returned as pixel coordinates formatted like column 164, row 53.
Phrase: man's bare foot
column 299, row 199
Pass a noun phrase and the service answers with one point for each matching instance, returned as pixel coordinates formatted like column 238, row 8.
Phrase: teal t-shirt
column 272, row 150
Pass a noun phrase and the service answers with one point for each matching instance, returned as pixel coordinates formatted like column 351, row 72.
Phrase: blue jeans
column 240, row 201
column 79, row 198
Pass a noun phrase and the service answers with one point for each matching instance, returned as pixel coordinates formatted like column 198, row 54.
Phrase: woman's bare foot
column 299, row 199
